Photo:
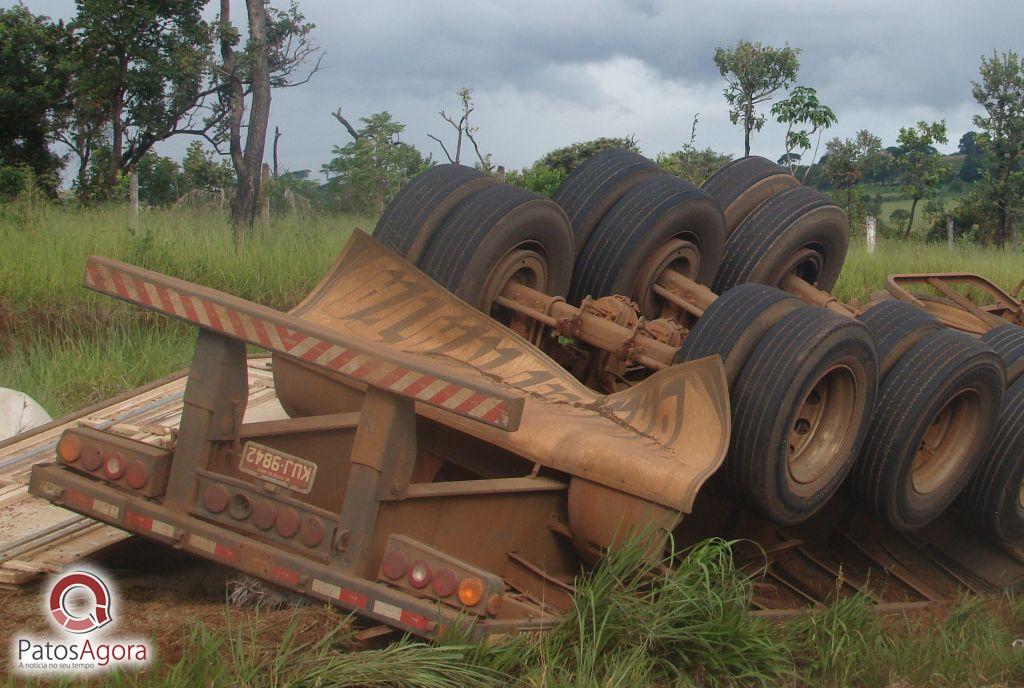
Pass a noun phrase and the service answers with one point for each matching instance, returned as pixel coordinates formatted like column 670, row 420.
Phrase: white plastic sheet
column 19, row 413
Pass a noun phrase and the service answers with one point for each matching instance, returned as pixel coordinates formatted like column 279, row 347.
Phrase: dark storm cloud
column 547, row 73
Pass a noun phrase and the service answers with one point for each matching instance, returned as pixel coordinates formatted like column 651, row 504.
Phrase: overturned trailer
column 498, row 388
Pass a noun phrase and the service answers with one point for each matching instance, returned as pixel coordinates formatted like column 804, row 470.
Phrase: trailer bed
column 37, row 537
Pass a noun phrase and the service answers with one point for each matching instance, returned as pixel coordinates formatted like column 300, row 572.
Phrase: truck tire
column 734, row 324
column 994, row 498
column 594, row 186
column 800, row 413
column 422, row 204
column 744, row 184
column 662, row 222
column 932, row 425
column 500, row 234
column 798, row 231
column 1008, row 341
column 896, row 327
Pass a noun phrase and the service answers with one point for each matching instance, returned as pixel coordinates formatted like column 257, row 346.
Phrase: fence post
column 869, row 230
column 133, row 199
column 950, row 235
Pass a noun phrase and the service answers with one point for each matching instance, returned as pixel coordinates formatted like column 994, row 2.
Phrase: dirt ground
column 159, row 594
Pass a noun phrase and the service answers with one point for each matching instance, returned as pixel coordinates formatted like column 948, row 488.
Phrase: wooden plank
column 36, row 537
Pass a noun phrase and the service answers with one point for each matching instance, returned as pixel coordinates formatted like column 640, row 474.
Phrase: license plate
column 277, row 467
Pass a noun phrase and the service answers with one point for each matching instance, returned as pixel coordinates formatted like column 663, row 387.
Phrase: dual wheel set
column 903, row 413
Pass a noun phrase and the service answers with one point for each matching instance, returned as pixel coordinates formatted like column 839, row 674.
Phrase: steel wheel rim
column 807, row 263
column 525, row 264
column 946, row 443
column 677, row 254
column 822, row 425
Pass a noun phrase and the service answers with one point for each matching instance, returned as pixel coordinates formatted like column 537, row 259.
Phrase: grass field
column 893, row 199
column 66, row 346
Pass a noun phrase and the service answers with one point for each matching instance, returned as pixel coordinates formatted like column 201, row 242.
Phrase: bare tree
column 464, row 130
column 277, row 137
column 345, row 123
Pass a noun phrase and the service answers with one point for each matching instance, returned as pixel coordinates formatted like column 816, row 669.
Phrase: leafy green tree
column 974, row 158
column 920, row 164
column 199, row 170
column 753, row 73
column 144, row 61
column 804, row 116
column 377, row 162
column 848, row 160
column 537, row 178
column 693, row 164
column 1000, row 91
column 159, row 179
column 33, row 93
column 568, row 158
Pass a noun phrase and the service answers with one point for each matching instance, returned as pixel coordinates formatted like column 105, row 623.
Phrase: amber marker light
column 69, row 448
column 471, row 591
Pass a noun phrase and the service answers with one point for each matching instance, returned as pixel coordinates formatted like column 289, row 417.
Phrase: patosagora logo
column 96, row 616
column 79, row 605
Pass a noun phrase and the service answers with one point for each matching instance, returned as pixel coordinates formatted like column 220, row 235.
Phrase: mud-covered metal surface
column 659, row 440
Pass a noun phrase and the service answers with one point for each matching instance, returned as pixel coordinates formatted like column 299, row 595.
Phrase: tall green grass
column 865, row 273
column 67, row 347
column 627, row 627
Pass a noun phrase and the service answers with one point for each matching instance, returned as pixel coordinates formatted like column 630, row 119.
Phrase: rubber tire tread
column 596, row 185
column 991, row 498
column 772, row 380
column 896, row 327
column 744, row 313
column 415, row 207
column 909, row 397
column 456, row 241
column 750, row 243
column 601, row 265
column 1008, row 341
column 732, row 180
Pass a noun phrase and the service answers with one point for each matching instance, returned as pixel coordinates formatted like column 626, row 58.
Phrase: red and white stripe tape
column 270, row 329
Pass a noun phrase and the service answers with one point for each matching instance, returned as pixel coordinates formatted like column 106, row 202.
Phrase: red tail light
column 215, row 497
column 137, row 475
column 445, row 583
column 264, row 513
column 312, row 532
column 287, row 523
column 91, row 457
column 395, row 564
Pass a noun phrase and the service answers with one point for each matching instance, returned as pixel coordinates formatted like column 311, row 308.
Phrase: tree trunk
column 248, row 162
column 116, row 140
column 133, row 200
column 849, row 200
column 910, row 221
column 277, row 137
column 748, row 124
column 1002, row 225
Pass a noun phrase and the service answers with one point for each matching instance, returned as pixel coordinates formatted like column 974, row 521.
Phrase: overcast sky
column 547, row 73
